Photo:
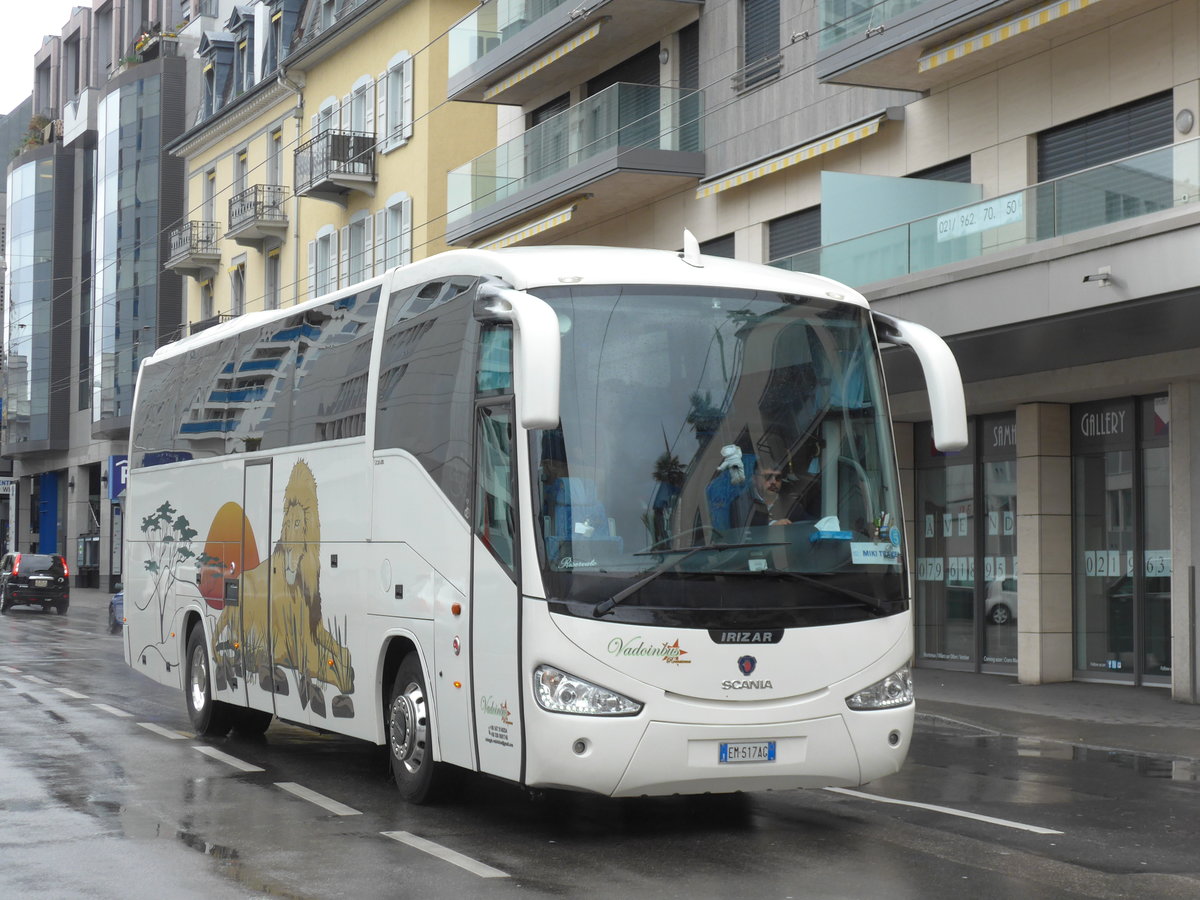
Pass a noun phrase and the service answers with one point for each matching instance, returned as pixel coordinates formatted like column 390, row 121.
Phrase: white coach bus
column 620, row 521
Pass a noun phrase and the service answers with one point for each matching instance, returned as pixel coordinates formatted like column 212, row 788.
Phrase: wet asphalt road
column 104, row 793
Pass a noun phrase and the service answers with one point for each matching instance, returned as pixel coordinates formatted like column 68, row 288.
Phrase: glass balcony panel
column 842, row 19
column 490, row 26
column 1151, row 182
column 619, row 117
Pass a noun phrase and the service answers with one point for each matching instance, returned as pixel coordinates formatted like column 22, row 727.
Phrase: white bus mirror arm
column 537, row 350
column 942, row 377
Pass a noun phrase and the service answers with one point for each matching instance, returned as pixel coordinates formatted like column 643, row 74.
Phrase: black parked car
column 34, row 579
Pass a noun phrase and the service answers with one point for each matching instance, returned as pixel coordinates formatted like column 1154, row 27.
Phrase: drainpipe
column 298, row 115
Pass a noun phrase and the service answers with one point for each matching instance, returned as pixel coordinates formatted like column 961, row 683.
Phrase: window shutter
column 312, row 269
column 794, row 233
column 760, row 36
column 314, row 124
column 407, row 102
column 380, row 247
column 369, row 107
column 343, row 113
column 406, row 231
column 367, row 263
column 344, row 269
column 381, row 110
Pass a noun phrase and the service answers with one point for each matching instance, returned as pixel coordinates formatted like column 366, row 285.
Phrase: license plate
column 748, row 751
column 41, row 582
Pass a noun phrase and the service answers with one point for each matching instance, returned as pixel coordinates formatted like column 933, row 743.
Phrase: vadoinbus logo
column 668, row 653
column 489, row 707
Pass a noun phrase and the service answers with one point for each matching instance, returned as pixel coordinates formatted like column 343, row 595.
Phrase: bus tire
column 410, row 744
column 210, row 717
column 251, row 723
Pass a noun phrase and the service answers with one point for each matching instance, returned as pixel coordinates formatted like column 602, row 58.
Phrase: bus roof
column 525, row 268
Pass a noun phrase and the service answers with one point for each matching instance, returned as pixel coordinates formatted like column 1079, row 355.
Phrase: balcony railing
column 257, row 213
column 841, row 19
column 334, row 163
column 619, row 117
column 490, row 26
column 194, row 248
column 205, row 324
column 1162, row 179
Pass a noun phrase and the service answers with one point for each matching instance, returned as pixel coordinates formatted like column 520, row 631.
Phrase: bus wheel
column 251, row 723
column 210, row 718
column 409, row 734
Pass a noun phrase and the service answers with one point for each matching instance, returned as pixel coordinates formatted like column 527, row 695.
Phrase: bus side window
column 495, row 515
column 495, row 360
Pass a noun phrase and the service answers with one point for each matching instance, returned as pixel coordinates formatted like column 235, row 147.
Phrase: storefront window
column 1122, row 564
column 998, row 531
column 966, row 549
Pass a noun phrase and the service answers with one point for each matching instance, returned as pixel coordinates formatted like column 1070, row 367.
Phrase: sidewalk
column 1112, row 717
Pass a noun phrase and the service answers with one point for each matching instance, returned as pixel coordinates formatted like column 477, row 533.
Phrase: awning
column 800, row 154
column 981, row 40
column 541, row 62
column 558, row 217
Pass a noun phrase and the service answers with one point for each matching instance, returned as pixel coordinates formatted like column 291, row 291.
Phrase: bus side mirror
column 537, row 350
column 942, row 378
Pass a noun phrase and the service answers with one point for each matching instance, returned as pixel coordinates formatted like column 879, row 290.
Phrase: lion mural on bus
column 292, row 635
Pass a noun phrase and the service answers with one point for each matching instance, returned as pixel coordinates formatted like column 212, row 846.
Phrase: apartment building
column 88, row 298
column 1020, row 176
column 319, row 155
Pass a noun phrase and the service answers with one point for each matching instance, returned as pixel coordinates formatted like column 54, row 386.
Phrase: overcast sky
column 23, row 23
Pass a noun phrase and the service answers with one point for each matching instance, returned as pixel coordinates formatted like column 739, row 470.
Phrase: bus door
column 495, row 597
column 252, row 587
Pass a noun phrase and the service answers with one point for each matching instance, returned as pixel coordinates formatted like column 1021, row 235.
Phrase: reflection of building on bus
column 473, row 509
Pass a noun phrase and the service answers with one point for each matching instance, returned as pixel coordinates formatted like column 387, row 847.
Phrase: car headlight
column 556, row 691
column 888, row 693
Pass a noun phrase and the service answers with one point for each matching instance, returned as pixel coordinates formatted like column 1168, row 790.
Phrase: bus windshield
column 724, row 458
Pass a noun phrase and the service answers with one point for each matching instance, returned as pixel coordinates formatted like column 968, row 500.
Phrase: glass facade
column 126, row 246
column 966, row 549
column 1122, row 540
column 28, row 333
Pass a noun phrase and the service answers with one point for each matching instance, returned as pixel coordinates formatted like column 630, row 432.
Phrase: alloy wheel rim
column 199, row 679
column 409, row 728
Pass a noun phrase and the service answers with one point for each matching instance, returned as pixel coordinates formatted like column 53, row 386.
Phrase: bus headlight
column 556, row 691
column 895, row 690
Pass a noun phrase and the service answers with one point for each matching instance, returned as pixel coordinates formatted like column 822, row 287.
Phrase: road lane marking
column 1007, row 823
column 163, row 732
column 445, row 853
column 74, row 695
column 36, row 680
column 327, row 803
column 227, row 759
column 10, row 670
column 113, row 711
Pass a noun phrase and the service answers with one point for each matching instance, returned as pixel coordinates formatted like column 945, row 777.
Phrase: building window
column 1109, row 193
column 275, row 157
column 956, row 170
column 209, row 209
column 359, row 248
column 241, row 166
column 395, row 92
column 237, row 289
column 718, row 246
column 206, row 300
column 323, row 262
column 398, row 230
column 272, row 271
column 761, row 60
column 793, row 233
column 358, row 111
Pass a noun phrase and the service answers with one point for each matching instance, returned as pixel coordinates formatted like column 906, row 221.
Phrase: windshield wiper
column 606, row 606
column 865, row 599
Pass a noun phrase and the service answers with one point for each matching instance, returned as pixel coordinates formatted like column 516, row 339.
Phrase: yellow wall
column 444, row 136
